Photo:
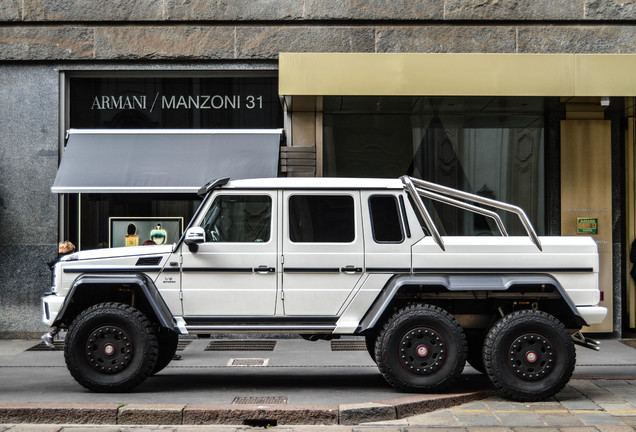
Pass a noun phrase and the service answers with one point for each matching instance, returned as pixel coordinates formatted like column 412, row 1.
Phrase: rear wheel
column 529, row 355
column 421, row 348
column 111, row 347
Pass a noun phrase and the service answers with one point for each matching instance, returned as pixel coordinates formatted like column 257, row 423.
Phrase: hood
column 120, row 252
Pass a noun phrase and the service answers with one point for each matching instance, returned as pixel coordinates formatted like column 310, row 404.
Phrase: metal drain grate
column 260, row 400
column 183, row 344
column 59, row 346
column 241, row 345
column 348, row 345
column 248, row 362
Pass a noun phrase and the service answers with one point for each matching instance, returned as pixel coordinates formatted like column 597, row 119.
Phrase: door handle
column 351, row 269
column 263, row 269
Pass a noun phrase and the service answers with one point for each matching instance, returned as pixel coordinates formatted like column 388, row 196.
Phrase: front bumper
column 51, row 305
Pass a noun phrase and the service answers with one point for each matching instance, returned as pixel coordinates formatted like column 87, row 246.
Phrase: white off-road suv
column 325, row 257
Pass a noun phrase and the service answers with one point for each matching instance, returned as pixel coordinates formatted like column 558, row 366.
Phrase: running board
column 267, row 328
column 586, row 342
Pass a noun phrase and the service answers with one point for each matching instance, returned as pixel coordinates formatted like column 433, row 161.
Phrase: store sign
column 189, row 102
column 199, row 103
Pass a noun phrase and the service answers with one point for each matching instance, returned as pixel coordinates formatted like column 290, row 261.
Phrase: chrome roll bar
column 421, row 188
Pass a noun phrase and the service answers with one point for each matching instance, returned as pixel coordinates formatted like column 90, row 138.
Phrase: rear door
column 323, row 251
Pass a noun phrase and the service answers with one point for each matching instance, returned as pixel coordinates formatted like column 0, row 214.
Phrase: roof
column 315, row 183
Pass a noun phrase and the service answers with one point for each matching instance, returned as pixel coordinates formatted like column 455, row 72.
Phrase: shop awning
column 160, row 160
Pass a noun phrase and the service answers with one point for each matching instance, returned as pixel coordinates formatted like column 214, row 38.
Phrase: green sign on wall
column 587, row 225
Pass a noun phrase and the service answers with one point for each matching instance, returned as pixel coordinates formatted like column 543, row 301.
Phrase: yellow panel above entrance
column 407, row 74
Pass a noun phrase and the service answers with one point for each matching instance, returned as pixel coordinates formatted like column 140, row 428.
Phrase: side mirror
column 194, row 237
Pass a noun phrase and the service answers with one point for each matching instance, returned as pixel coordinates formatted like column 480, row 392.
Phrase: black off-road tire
column 529, row 355
column 111, row 347
column 475, row 358
column 168, row 342
column 422, row 348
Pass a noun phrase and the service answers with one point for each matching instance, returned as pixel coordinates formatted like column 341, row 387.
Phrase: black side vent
column 149, row 261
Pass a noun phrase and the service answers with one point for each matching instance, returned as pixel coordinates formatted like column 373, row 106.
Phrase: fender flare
column 146, row 287
column 462, row 282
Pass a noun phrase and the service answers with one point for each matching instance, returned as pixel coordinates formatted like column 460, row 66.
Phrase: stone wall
column 28, row 210
column 260, row 29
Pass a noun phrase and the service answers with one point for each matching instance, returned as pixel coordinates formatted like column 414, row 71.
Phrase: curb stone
column 230, row 414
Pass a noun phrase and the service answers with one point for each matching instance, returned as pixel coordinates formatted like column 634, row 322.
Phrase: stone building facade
column 45, row 46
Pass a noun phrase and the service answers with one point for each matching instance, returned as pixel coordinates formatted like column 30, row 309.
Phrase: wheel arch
column 464, row 282
column 134, row 289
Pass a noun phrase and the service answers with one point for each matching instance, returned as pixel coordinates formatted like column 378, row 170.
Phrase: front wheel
column 111, row 347
column 422, row 348
column 529, row 355
column 168, row 344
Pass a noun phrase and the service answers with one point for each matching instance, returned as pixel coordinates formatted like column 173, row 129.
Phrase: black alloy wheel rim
column 109, row 349
column 422, row 351
column 531, row 357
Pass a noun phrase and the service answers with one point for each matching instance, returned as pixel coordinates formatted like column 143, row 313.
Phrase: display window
column 93, row 219
column 491, row 146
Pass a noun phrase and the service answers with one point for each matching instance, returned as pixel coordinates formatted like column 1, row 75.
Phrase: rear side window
column 321, row 219
column 385, row 219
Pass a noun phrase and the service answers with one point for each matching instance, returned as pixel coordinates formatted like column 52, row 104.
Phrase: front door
column 323, row 251
column 234, row 272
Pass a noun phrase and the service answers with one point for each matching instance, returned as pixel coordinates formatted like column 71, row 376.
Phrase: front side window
column 385, row 219
column 321, row 219
column 239, row 218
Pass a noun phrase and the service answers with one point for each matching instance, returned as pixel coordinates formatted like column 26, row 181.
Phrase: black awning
column 163, row 160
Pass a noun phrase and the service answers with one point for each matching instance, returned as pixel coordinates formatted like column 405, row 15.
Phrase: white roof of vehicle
column 315, row 183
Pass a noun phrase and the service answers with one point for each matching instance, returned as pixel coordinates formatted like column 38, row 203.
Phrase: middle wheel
column 421, row 348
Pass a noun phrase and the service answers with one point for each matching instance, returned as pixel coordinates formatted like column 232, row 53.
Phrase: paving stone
column 94, row 429
column 631, row 420
column 34, row 428
column 598, row 418
column 560, row 419
column 579, row 429
column 618, row 408
column 477, row 419
column 527, row 418
column 435, row 418
column 507, row 406
column 489, row 429
column 532, row 429
column 624, row 428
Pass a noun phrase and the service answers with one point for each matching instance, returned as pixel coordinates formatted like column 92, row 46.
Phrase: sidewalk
column 304, row 383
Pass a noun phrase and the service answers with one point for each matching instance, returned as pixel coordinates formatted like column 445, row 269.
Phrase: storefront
column 137, row 148
column 542, row 131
